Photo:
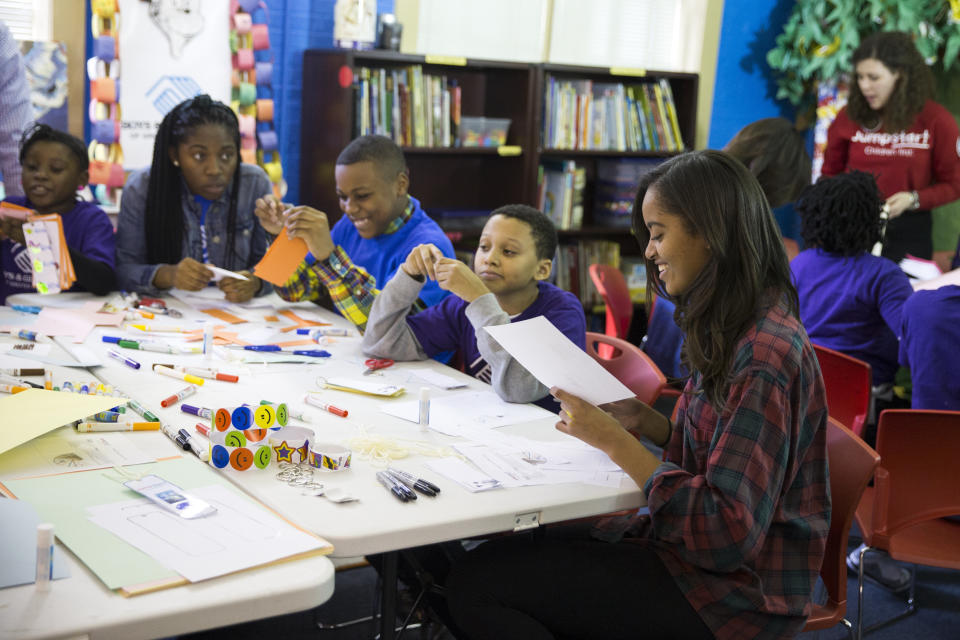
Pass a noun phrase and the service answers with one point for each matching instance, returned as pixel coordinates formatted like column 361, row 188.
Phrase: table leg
column 388, row 595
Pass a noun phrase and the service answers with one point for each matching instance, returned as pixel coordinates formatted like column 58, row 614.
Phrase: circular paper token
column 262, row 459
column 241, row 459
column 282, row 414
column 235, row 439
column 264, row 416
column 256, row 435
column 219, row 456
column 222, row 419
column 242, row 418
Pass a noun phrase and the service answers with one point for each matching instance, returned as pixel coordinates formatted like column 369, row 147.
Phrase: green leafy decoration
column 819, row 38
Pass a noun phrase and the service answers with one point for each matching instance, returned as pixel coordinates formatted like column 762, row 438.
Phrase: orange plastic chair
column 848, row 382
column 852, row 463
column 628, row 364
column 616, row 296
column 916, row 486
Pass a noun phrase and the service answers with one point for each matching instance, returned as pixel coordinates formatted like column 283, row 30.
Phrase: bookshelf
column 458, row 185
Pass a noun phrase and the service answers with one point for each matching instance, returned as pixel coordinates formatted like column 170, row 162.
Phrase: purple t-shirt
column 852, row 304
column 930, row 334
column 445, row 327
column 86, row 228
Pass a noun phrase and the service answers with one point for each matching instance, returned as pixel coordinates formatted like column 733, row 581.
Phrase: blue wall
column 296, row 25
column 744, row 90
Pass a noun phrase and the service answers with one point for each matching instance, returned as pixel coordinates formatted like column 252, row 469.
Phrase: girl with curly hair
column 892, row 128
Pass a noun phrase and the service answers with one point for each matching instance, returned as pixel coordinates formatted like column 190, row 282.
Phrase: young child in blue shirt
column 850, row 300
column 55, row 165
column 508, row 283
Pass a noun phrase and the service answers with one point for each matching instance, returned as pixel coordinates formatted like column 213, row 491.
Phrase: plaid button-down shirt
column 352, row 289
column 740, row 509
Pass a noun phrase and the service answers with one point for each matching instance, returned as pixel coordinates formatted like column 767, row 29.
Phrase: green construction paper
column 63, row 500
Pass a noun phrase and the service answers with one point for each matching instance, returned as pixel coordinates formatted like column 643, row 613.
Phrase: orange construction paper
column 281, row 260
column 220, row 314
column 300, row 323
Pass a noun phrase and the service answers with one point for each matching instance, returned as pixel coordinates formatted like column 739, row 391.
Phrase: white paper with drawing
column 238, row 536
column 556, row 361
column 460, row 413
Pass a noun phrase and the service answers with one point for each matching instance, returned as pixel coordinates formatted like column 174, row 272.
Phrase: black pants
column 911, row 232
column 545, row 588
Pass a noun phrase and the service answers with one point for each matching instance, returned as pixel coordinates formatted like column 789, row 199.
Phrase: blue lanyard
column 204, row 207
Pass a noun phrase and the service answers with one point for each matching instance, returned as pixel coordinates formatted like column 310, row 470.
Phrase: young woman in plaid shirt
column 739, row 509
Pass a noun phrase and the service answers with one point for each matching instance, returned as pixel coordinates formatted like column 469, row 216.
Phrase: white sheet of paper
column 556, row 362
column 438, row 379
column 241, row 534
column 459, row 413
column 919, row 269
column 464, row 474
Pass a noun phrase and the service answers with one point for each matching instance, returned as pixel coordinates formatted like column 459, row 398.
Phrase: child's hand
column 313, row 228
column 13, row 229
column 191, row 275
column 237, row 290
column 459, row 279
column 422, row 261
column 269, row 211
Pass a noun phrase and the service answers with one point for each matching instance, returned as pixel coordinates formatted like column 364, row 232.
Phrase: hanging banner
column 171, row 50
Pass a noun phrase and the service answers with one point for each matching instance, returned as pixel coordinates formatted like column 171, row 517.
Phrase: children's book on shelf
column 616, row 188
column 51, row 266
column 560, row 194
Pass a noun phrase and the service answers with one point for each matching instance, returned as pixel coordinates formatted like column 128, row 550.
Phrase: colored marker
column 12, row 388
column 201, row 412
column 180, row 375
column 395, row 487
column 130, row 362
column 315, row 353
column 24, row 372
column 413, row 482
column 44, row 556
column 85, row 427
column 201, row 451
column 32, row 336
column 424, row 408
column 138, row 408
column 319, row 333
column 67, row 386
column 19, row 382
column 105, row 416
column 202, row 428
column 27, row 308
column 212, row 374
column 311, row 400
column 146, row 345
column 48, row 380
column 262, row 347
column 156, row 328
column 189, row 390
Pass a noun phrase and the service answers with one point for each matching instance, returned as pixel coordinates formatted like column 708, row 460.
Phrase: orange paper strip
column 220, row 314
column 281, row 260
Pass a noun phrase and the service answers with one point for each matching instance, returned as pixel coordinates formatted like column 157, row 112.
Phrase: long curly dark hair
column 841, row 214
column 164, row 211
column 720, row 200
column 913, row 88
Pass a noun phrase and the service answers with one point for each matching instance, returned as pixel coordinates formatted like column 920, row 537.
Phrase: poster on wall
column 46, row 66
column 170, row 50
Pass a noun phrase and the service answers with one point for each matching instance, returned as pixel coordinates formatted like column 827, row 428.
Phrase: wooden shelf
column 605, row 153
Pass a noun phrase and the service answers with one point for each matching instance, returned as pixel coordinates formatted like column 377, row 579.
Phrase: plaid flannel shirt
column 740, row 509
column 351, row 288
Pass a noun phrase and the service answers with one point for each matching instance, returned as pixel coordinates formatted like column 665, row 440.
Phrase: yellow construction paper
column 34, row 412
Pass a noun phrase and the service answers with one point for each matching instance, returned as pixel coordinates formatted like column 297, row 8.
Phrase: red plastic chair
column 916, row 486
column 848, row 382
column 628, row 364
column 852, row 463
column 616, row 296
column 791, row 247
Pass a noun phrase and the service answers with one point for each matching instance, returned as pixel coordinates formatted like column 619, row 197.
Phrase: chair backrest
column 628, row 364
column 848, row 382
column 852, row 463
column 613, row 288
column 919, row 478
column 791, row 247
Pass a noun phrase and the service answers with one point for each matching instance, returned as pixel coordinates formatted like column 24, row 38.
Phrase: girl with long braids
column 193, row 207
column 892, row 128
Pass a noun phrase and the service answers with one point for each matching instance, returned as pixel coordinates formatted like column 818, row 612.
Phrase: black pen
column 402, row 493
column 421, row 485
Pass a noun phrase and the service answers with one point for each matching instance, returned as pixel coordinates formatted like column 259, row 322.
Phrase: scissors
column 375, row 364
